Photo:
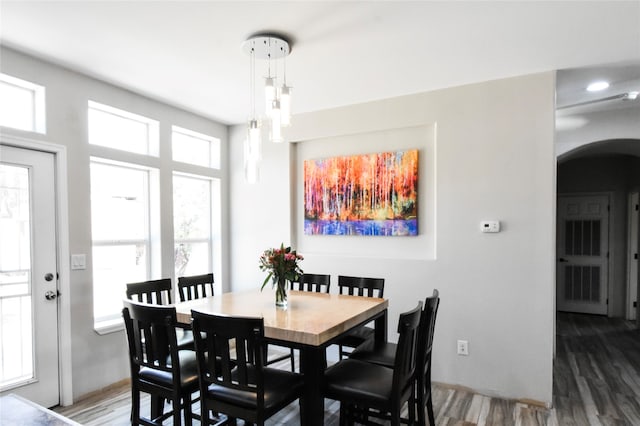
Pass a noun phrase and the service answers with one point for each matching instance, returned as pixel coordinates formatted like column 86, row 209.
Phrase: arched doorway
column 608, row 168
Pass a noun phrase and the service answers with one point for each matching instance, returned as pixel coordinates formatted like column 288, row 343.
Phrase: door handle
column 51, row 295
column 562, row 259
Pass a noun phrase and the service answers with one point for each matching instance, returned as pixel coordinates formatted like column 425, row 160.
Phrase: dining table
column 310, row 322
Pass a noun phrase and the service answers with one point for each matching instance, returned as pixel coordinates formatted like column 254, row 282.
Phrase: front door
column 28, row 277
column 583, row 253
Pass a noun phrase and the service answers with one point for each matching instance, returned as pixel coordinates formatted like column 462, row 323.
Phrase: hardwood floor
column 597, row 371
column 596, row 382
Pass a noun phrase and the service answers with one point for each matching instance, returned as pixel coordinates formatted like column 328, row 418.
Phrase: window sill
column 107, row 327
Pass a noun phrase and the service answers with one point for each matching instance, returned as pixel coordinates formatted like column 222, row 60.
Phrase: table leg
column 312, row 360
column 380, row 335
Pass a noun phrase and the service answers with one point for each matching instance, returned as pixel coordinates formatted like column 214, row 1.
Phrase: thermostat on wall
column 490, row 226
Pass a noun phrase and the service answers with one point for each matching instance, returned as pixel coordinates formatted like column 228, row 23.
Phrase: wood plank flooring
column 596, row 382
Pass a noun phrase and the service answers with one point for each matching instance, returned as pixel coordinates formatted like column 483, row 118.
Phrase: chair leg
column 411, row 405
column 420, row 401
column 343, row 414
column 395, row 418
column 188, row 414
column 293, row 363
column 157, row 406
column 135, row 407
column 432, row 420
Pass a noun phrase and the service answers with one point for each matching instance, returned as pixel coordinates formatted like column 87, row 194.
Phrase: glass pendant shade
column 276, row 130
column 269, row 94
column 252, row 151
column 285, row 106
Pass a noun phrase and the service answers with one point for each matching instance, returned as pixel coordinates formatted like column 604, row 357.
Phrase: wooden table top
column 310, row 318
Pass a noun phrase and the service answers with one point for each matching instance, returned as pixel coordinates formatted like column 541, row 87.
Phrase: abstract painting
column 369, row 194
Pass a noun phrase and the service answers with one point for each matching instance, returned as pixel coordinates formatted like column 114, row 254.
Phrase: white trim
column 632, row 261
column 63, row 254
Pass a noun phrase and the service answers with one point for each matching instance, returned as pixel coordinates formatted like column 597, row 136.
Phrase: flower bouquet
column 282, row 265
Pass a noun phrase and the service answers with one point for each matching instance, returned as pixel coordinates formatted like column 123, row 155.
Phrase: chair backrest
column 361, row 286
column 226, row 343
column 320, row 283
column 157, row 292
column 405, row 359
column 195, row 286
column 151, row 333
column 427, row 330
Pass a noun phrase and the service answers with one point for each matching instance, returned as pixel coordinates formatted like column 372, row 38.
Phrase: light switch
column 78, row 261
column 490, row 226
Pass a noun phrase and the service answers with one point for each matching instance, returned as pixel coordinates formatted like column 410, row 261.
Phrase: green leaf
column 266, row 280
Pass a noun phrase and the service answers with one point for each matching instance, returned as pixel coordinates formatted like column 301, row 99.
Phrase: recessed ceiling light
column 597, row 86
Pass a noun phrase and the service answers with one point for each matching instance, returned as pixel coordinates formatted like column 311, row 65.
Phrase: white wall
column 98, row 360
column 576, row 131
column 494, row 159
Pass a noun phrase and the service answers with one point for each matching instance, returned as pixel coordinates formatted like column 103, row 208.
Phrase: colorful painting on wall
column 371, row 194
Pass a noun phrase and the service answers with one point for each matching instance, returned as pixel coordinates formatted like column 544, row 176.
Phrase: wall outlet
column 490, row 226
column 463, row 347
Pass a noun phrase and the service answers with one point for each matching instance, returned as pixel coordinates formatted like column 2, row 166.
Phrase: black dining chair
column 235, row 381
column 384, row 354
column 365, row 389
column 158, row 366
column 358, row 286
column 195, row 286
column 318, row 283
column 158, row 292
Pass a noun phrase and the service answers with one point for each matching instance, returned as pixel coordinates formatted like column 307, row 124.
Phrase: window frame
column 152, row 142
column 114, row 322
column 210, row 239
column 38, row 102
column 214, row 145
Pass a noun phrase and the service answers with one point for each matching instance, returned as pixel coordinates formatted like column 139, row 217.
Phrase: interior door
column 28, row 277
column 583, row 253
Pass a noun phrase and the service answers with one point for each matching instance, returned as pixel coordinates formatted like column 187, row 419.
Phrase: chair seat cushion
column 382, row 354
column 360, row 383
column 188, row 372
column 356, row 337
column 278, row 386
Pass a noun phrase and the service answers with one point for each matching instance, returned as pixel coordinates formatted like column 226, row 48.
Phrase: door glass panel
column 582, row 238
column 582, row 283
column 16, row 334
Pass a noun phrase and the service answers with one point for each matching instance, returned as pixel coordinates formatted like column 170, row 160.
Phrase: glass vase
column 281, row 293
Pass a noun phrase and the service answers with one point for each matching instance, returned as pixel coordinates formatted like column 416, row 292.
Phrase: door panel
column 28, row 276
column 583, row 245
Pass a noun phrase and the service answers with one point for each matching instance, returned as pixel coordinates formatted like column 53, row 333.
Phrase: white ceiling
column 189, row 53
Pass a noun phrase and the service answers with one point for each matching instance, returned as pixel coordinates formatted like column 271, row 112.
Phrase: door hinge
column 635, row 256
column 637, row 207
column 608, row 207
column 635, row 303
column 607, row 255
column 607, row 301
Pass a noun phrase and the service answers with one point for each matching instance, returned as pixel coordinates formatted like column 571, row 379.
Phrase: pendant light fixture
column 277, row 113
column 253, row 142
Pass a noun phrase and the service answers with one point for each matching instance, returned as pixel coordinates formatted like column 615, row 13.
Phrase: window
column 118, row 129
column 129, row 243
column 192, row 221
column 21, row 104
column 195, row 148
column 120, row 226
